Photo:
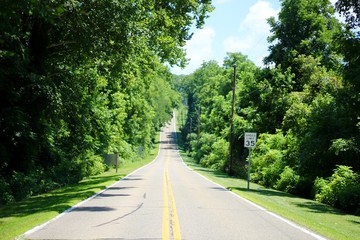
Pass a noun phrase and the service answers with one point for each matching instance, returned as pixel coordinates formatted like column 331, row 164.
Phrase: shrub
column 323, row 192
column 349, row 200
column 92, row 165
column 341, row 190
column 268, row 160
column 203, row 146
column 218, row 157
column 5, row 192
column 66, row 172
column 21, row 185
column 267, row 168
column 271, row 173
column 288, row 180
column 25, row 185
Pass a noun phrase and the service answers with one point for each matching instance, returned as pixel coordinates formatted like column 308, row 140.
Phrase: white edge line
column 36, row 228
column 261, row 208
column 258, row 206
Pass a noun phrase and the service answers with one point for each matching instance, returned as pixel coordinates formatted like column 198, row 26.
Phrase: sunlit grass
column 17, row 218
column 320, row 218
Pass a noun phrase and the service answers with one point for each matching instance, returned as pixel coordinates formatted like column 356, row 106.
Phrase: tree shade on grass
column 82, row 79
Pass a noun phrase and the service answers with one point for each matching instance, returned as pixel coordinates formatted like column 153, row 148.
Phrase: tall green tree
column 74, row 79
column 347, row 146
column 351, row 10
column 304, row 105
column 304, row 27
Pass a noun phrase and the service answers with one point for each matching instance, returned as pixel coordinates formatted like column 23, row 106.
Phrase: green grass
column 320, row 218
column 17, row 218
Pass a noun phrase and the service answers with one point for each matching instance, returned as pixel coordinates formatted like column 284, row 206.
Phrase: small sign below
column 250, row 140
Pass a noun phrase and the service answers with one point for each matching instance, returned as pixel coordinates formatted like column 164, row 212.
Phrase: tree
column 304, row 105
column 74, row 79
column 351, row 10
column 304, row 27
column 209, row 93
column 346, row 146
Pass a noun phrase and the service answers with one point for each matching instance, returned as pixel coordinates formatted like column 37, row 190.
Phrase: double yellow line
column 170, row 220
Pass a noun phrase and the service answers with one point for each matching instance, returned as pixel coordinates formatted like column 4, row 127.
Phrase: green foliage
column 23, row 186
column 202, row 146
column 341, row 190
column 269, row 174
column 91, row 164
column 301, row 113
column 351, row 10
column 218, row 157
column 81, row 79
column 268, row 160
column 343, row 145
column 273, row 89
column 288, row 180
column 6, row 195
column 304, row 104
column 304, row 27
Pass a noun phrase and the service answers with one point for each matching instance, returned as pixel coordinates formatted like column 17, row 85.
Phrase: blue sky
column 234, row 26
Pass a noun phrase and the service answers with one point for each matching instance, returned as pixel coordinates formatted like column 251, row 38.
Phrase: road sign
column 250, row 140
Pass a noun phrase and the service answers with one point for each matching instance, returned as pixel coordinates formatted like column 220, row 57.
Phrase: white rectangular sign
column 250, row 140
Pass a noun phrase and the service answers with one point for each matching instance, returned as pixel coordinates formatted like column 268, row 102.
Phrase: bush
column 92, row 165
column 202, row 147
column 66, row 172
column 25, row 185
column 341, row 190
column 349, row 200
column 323, row 192
column 288, row 180
column 267, row 168
column 268, row 159
column 5, row 192
column 271, row 173
column 218, row 157
column 21, row 185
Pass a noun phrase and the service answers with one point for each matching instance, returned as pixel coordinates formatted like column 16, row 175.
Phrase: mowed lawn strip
column 322, row 219
column 19, row 217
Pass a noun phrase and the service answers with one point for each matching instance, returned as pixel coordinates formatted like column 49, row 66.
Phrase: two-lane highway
column 167, row 200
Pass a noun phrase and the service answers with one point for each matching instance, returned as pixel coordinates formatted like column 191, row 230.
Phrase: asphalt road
column 167, row 200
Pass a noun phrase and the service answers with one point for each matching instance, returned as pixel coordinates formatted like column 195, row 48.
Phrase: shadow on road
column 93, row 209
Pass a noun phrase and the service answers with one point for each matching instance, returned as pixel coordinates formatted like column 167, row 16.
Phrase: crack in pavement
column 123, row 216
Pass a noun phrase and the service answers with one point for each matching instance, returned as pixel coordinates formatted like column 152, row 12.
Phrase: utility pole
column 232, row 124
column 198, row 124
column 190, row 130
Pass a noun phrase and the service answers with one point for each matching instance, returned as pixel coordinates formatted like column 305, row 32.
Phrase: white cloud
column 252, row 32
column 237, row 44
column 198, row 48
column 255, row 20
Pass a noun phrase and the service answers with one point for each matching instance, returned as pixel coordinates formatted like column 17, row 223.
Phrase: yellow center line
column 173, row 217
column 166, row 220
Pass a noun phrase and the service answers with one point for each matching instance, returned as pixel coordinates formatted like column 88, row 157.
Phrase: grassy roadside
column 17, row 218
column 320, row 218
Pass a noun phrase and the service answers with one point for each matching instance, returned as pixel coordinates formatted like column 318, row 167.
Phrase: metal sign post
column 248, row 178
column 249, row 142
